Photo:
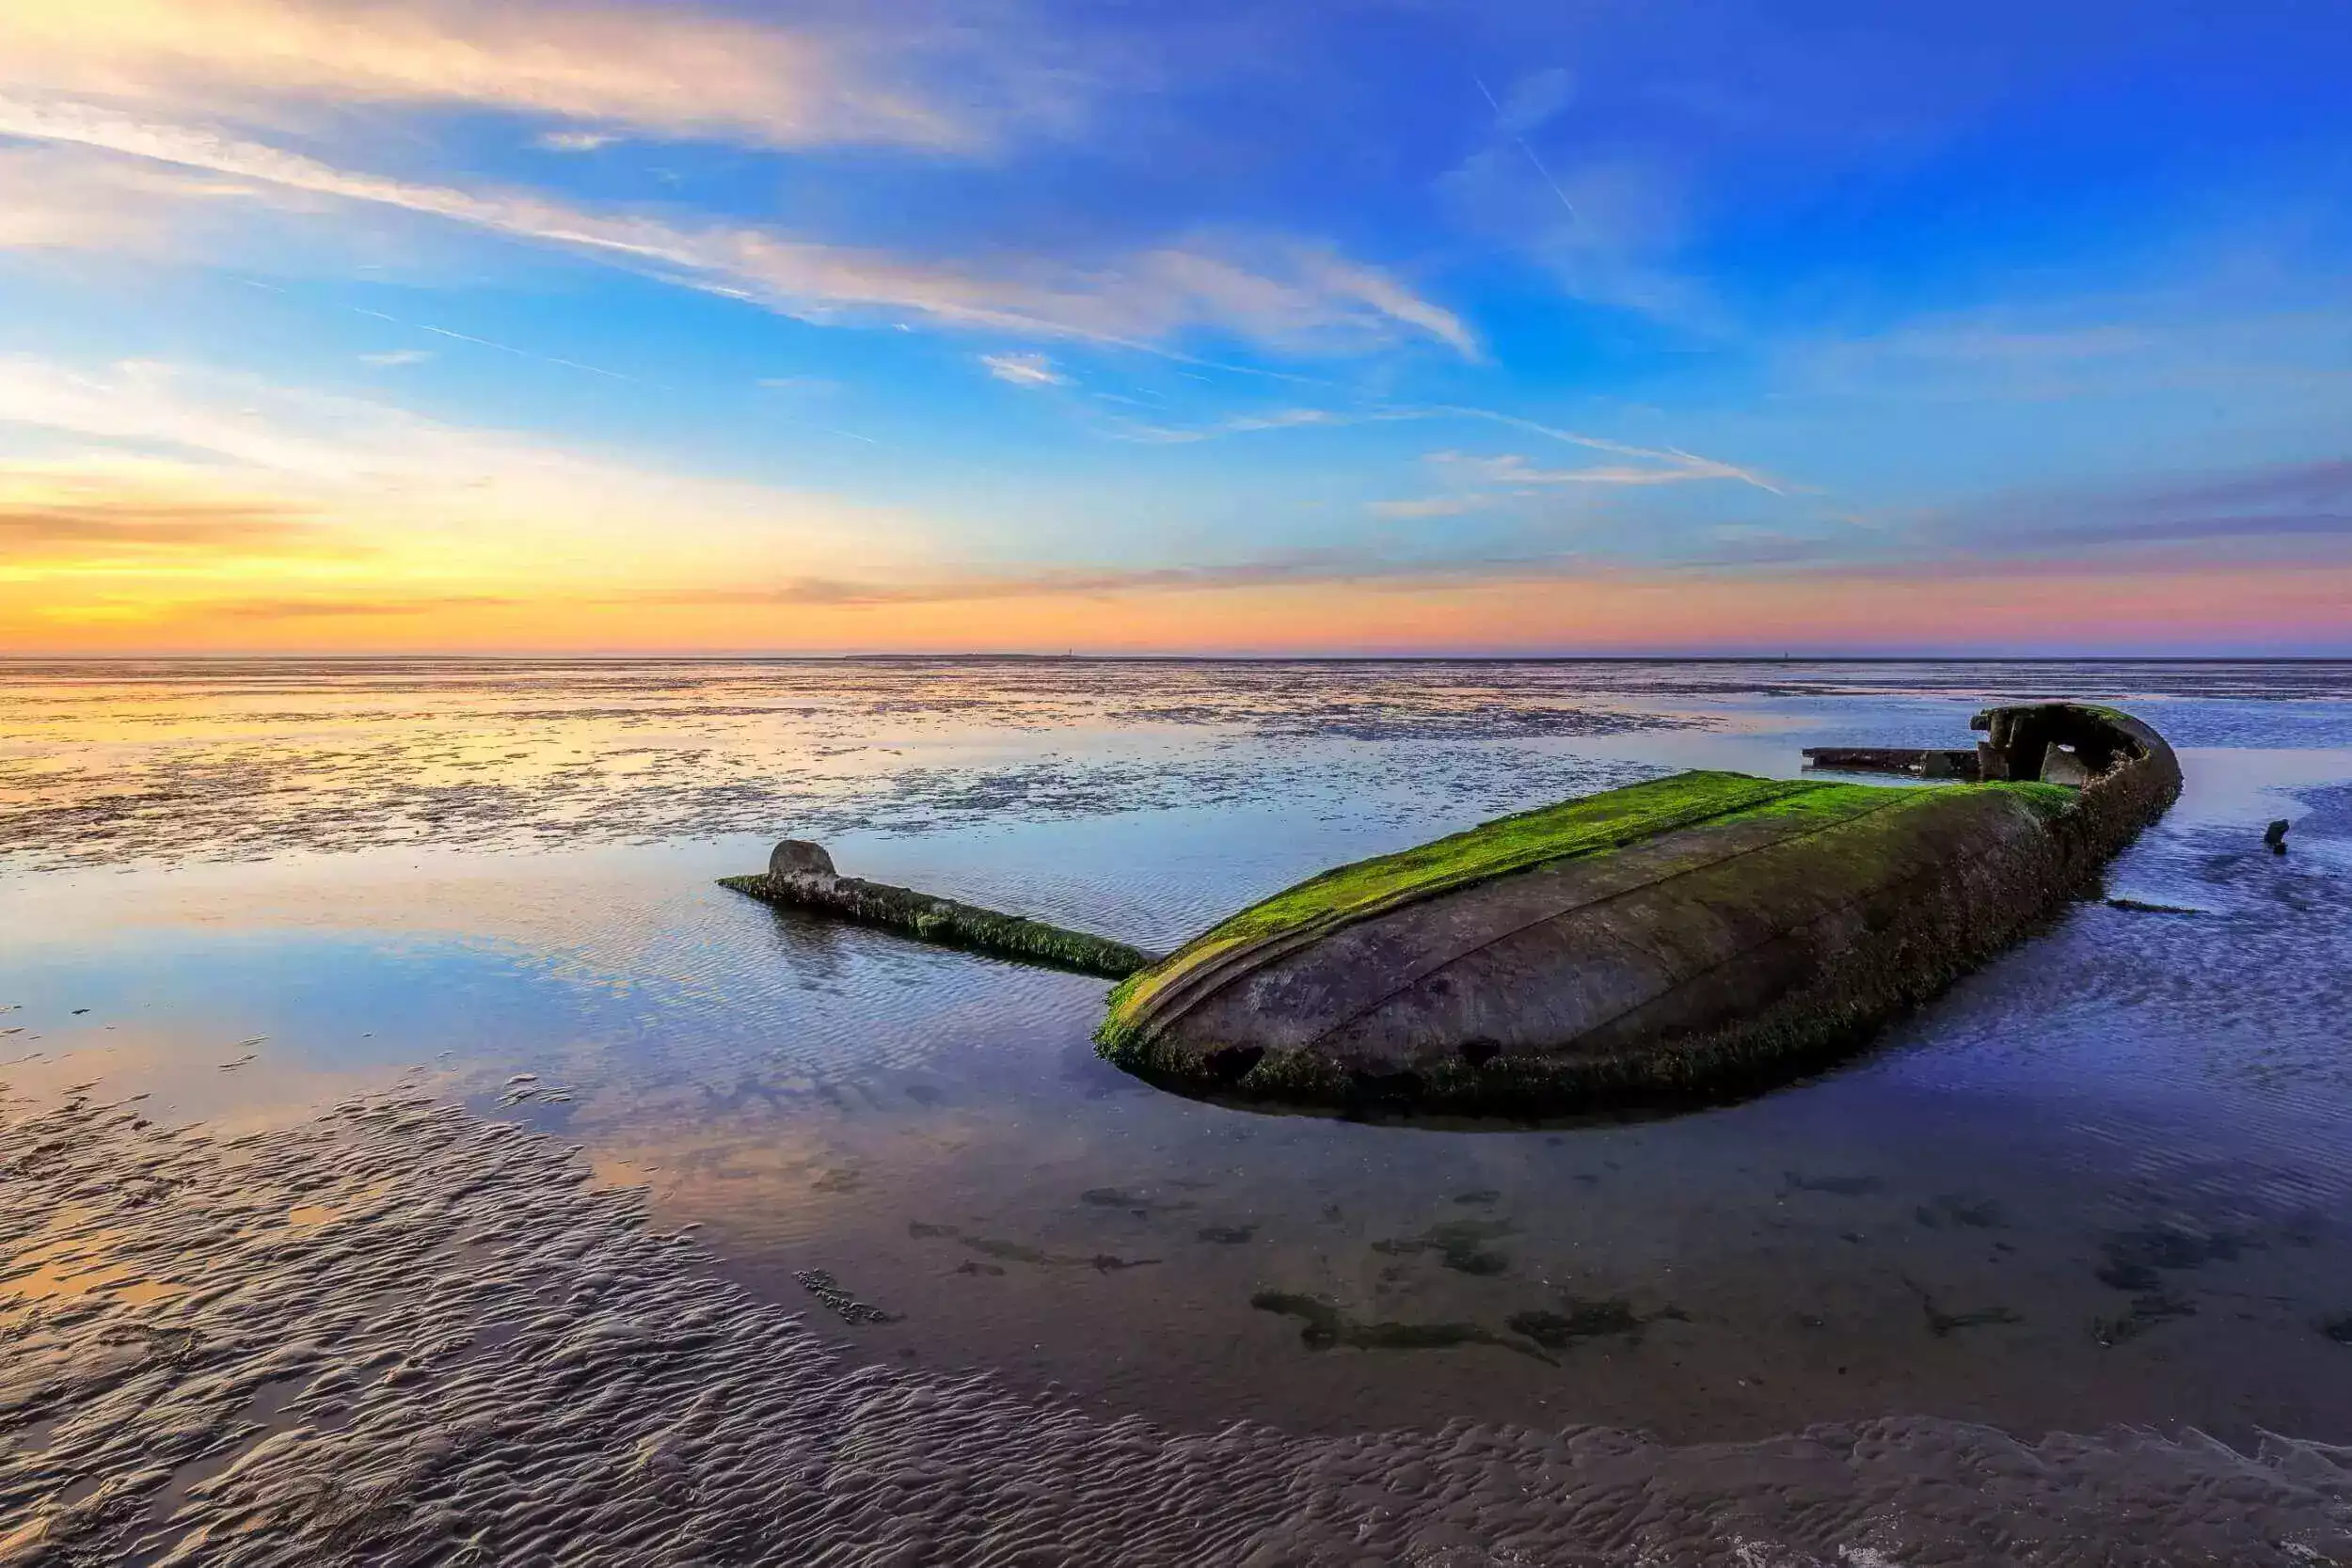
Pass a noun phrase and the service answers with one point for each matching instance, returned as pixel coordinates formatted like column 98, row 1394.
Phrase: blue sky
column 1353, row 327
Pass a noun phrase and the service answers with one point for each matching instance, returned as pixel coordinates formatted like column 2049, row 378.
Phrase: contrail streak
column 1528, row 150
column 503, row 348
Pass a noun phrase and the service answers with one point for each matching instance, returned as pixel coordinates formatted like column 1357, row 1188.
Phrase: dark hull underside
column 1700, row 963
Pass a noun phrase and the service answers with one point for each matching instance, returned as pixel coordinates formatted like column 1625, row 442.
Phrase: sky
column 1360, row 327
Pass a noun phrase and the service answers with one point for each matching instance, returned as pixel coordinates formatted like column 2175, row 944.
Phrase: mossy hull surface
column 1690, row 938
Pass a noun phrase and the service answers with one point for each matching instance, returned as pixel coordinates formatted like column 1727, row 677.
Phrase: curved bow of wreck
column 1691, row 938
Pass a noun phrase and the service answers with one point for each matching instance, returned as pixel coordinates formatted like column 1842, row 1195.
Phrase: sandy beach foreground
column 400, row 1334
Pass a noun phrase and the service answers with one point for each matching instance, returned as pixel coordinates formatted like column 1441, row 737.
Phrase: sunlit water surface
column 2105, row 1179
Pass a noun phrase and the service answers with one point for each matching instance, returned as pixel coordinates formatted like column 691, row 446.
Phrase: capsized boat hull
column 1735, row 933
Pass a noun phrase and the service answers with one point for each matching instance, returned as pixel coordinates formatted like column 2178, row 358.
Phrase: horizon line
column 970, row 656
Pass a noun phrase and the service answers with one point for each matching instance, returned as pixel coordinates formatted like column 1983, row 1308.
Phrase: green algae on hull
column 1493, row 848
column 1589, row 825
column 1687, row 938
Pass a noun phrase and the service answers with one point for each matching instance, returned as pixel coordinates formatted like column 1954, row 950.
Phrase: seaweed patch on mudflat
column 400, row 1333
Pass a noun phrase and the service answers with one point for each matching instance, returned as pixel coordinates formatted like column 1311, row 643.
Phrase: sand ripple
column 402, row 1335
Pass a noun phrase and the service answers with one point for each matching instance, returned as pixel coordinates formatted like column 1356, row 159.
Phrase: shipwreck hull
column 1735, row 933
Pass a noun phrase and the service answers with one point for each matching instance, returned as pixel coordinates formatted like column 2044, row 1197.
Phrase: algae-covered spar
column 1698, row 936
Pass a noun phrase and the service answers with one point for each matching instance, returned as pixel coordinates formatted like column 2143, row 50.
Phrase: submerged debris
column 1460, row 1245
column 1326, row 1327
column 801, row 873
column 1583, row 1320
column 842, row 1305
column 1942, row 1325
column 1021, row 1251
column 2145, row 1313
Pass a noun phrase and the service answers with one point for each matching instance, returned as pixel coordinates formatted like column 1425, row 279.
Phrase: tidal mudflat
column 957, row 1288
column 399, row 1334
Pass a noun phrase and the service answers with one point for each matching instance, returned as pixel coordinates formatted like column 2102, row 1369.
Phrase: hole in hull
column 1231, row 1064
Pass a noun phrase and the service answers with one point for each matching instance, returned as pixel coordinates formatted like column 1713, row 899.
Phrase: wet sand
column 107, row 764
column 400, row 1334
column 2101, row 1184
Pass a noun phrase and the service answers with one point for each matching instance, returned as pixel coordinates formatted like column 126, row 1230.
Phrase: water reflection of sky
column 2102, row 1180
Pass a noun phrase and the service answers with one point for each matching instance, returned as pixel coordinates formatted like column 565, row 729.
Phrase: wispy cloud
column 669, row 69
column 397, row 357
column 1392, row 299
column 1305, row 568
column 1477, row 482
column 64, row 198
column 1023, row 370
column 1767, row 560
column 1682, row 464
column 1295, row 297
column 2222, row 529
column 1513, row 470
column 2288, row 486
column 573, row 141
column 117, row 520
column 143, row 454
column 324, row 609
column 1284, row 418
column 38, row 211
column 1661, row 464
column 1436, row 506
column 2293, row 501
column 2162, row 359
column 1472, row 483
